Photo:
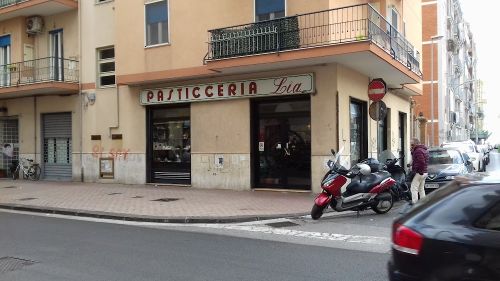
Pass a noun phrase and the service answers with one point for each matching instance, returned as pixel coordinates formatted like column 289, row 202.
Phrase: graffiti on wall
column 116, row 153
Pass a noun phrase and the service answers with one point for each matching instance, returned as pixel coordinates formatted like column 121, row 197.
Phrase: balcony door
column 5, row 60
column 56, row 55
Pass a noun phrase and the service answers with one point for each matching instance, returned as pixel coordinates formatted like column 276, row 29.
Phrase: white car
column 469, row 148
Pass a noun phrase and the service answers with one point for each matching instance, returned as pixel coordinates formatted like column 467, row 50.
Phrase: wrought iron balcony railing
column 6, row 3
column 329, row 27
column 50, row 69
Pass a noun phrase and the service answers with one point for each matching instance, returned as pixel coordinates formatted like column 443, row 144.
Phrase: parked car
column 452, row 234
column 444, row 165
column 470, row 148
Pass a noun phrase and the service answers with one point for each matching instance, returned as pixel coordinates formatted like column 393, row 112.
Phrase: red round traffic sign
column 376, row 89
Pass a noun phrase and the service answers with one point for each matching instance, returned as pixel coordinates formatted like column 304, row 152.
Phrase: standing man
column 420, row 160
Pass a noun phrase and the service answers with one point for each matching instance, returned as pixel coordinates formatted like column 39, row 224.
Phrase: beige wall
column 188, row 33
column 94, row 36
column 69, row 23
column 14, row 28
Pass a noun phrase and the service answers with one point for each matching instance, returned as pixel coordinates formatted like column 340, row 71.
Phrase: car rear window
column 491, row 219
column 437, row 157
column 464, row 207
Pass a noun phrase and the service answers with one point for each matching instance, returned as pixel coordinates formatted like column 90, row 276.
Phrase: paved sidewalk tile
column 150, row 203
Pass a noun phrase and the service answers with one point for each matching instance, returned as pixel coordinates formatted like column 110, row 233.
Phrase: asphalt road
column 80, row 250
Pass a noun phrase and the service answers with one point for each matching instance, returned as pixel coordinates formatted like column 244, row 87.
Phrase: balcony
column 39, row 77
column 355, row 36
column 16, row 8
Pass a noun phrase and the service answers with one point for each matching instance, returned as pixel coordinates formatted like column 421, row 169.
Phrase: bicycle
column 32, row 171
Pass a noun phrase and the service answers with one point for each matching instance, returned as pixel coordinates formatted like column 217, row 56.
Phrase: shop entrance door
column 283, row 144
column 169, row 145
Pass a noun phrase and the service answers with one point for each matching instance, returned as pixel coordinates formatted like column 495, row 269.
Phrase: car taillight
column 406, row 240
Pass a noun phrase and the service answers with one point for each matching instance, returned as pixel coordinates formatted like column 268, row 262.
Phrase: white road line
column 305, row 234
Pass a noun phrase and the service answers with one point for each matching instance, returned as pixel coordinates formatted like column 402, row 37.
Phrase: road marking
column 305, row 234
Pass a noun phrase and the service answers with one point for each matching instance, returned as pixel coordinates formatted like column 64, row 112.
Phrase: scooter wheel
column 383, row 206
column 317, row 211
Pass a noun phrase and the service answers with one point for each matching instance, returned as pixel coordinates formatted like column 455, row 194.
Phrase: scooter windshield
column 386, row 155
column 341, row 161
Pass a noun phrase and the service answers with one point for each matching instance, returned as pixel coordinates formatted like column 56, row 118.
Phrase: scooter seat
column 363, row 184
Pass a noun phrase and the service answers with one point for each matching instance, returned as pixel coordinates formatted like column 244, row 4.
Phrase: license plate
column 431, row 185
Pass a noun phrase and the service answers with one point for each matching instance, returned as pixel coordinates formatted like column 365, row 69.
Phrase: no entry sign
column 376, row 89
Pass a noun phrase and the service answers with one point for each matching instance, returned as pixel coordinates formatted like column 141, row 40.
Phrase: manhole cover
column 11, row 264
column 27, row 199
column 138, row 196
column 114, row 193
column 282, row 224
column 11, row 186
column 166, row 199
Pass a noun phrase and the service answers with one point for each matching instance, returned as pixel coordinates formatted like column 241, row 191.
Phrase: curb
column 137, row 218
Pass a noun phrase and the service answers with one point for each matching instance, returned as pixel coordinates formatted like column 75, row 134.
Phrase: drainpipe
column 117, row 110
column 34, row 118
column 80, row 86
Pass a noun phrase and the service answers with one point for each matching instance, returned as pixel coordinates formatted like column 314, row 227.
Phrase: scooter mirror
column 333, row 151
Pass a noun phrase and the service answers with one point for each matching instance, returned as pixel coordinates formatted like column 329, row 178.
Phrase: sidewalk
column 169, row 204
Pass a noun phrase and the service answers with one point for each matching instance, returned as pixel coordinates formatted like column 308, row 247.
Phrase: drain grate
column 282, row 224
column 114, row 193
column 10, row 186
column 138, row 196
column 11, row 264
column 27, row 199
column 166, row 199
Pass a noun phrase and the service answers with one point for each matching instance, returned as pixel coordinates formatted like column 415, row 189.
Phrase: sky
column 483, row 16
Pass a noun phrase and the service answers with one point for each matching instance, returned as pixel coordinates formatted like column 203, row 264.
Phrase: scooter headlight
column 328, row 181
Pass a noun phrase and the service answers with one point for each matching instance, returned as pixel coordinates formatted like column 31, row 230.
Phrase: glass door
column 56, row 55
column 283, row 145
column 359, row 129
column 170, row 145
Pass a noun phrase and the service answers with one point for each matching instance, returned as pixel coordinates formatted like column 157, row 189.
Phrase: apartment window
column 156, row 22
column 106, row 66
column 269, row 9
column 394, row 18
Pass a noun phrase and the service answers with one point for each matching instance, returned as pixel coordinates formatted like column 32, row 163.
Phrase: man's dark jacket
column 420, row 157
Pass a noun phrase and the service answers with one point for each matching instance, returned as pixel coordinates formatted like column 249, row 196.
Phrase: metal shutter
column 57, row 151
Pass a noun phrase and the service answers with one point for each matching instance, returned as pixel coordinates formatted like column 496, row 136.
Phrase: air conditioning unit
column 34, row 25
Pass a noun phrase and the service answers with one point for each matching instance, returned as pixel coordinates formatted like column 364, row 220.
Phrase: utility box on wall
column 106, row 168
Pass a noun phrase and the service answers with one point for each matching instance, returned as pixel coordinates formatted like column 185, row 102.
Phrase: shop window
column 269, row 9
column 106, row 67
column 156, row 22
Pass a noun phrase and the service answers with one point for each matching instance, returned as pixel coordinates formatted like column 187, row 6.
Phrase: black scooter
column 401, row 190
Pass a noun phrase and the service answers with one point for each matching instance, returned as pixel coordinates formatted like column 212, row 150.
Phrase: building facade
column 255, row 97
column 450, row 101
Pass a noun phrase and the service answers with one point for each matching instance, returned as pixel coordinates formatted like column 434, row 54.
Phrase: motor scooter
column 355, row 188
column 401, row 190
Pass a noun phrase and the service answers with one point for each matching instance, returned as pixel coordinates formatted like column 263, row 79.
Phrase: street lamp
column 436, row 37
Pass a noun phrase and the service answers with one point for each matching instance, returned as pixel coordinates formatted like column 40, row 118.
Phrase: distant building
column 448, row 41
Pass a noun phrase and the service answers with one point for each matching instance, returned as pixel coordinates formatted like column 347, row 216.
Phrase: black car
column 452, row 234
column 444, row 165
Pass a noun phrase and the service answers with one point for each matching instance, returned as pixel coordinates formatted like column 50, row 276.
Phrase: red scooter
column 358, row 188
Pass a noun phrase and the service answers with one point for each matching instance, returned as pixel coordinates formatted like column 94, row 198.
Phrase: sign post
column 377, row 89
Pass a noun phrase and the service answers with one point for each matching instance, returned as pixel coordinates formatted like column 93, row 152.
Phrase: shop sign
column 277, row 86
